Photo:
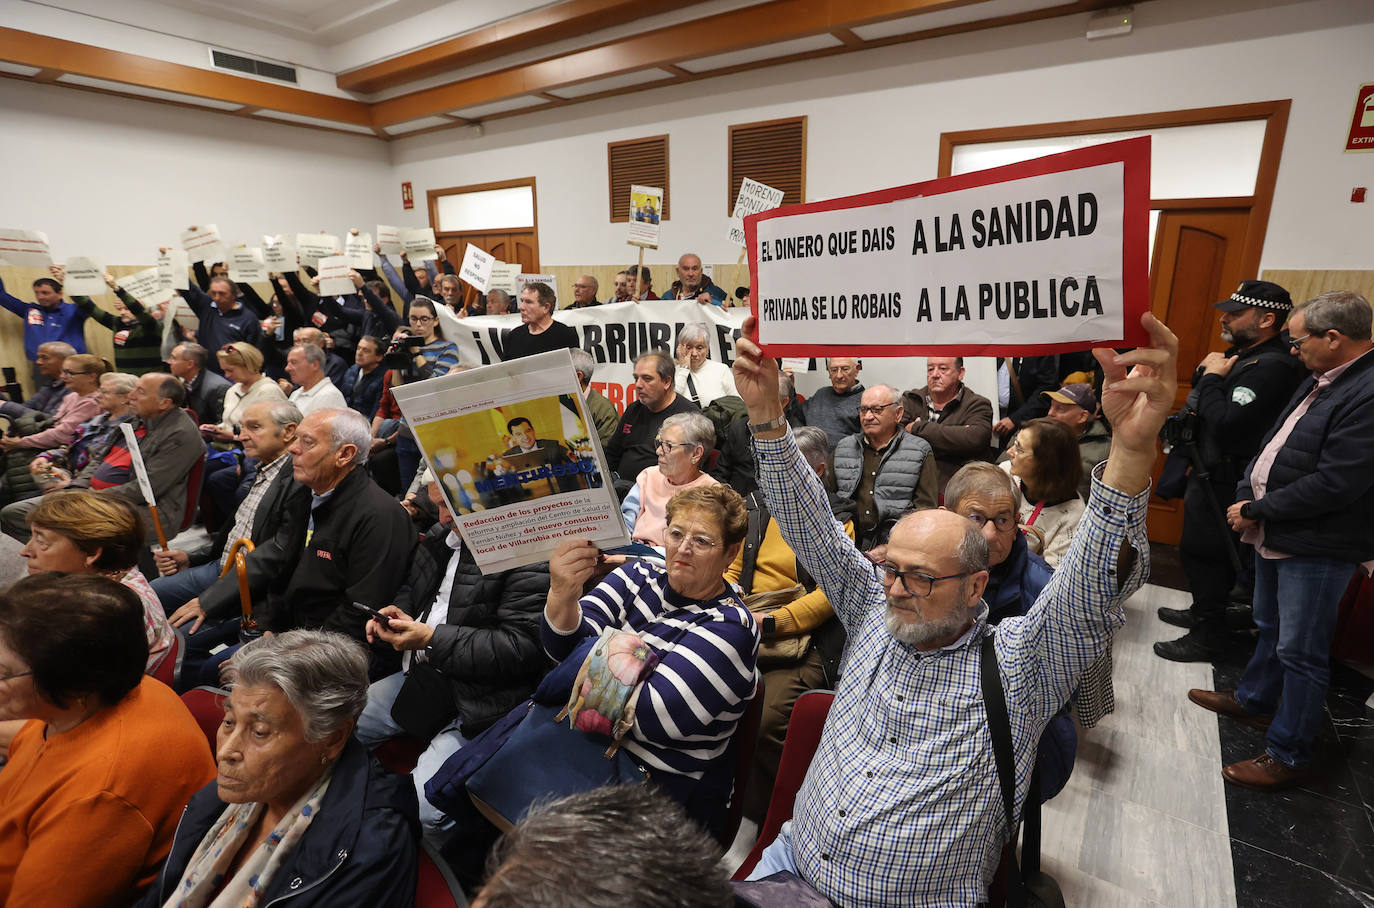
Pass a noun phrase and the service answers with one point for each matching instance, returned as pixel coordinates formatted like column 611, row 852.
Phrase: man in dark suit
column 204, row 389
column 548, row 452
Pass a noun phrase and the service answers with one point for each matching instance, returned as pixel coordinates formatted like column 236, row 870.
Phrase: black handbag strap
column 753, row 540
column 999, row 727
column 692, row 389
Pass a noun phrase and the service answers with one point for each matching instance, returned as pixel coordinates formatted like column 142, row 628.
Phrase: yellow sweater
column 776, row 569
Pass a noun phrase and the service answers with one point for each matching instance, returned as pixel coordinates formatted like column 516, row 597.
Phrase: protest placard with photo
column 172, row 268
column 84, row 277
column 203, row 244
column 646, row 210
column 24, row 248
column 512, row 447
column 311, row 247
column 1036, row 257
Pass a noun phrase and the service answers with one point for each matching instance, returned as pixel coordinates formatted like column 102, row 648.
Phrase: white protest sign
column 203, row 244
column 389, row 239
column 146, row 287
column 418, row 244
column 646, row 210
column 476, row 268
column 753, row 197
column 503, row 276
column 334, row 279
column 246, row 265
column 136, row 458
column 1044, row 255
column 358, row 248
column 311, row 247
column 84, row 277
column 278, row 254
column 24, row 248
column 171, row 269
column 522, row 280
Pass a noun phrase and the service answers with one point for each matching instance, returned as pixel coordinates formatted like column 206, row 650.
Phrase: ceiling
column 518, row 57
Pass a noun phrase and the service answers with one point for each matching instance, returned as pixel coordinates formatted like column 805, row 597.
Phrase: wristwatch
column 768, row 626
column 1245, row 511
column 775, row 423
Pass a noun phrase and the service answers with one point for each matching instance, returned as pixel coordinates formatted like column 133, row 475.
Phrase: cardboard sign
column 24, row 248
column 522, row 280
column 1361, row 134
column 418, row 244
column 311, row 247
column 171, row 269
column 389, row 239
column 203, row 244
column 146, row 287
column 646, row 210
column 753, row 197
column 84, row 277
column 1037, row 257
column 246, row 265
column 278, row 254
column 358, row 248
column 334, row 279
column 476, row 268
column 503, row 275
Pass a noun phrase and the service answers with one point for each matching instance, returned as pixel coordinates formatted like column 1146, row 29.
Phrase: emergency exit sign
column 1361, row 136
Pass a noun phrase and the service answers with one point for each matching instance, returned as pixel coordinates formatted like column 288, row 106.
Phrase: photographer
column 1236, row 397
column 416, row 353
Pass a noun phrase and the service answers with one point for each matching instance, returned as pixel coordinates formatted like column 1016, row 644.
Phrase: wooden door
column 507, row 246
column 1197, row 260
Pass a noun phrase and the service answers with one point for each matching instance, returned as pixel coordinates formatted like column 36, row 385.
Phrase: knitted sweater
column 138, row 345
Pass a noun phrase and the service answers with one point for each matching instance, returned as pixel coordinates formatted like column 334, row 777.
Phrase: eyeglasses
column 678, row 539
column 914, row 582
column 1017, row 447
column 660, row 444
column 876, row 409
column 1296, row 342
column 14, row 675
column 422, row 319
column 1001, row 521
column 83, row 372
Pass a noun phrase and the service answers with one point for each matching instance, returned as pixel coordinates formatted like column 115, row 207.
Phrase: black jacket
column 363, row 849
column 1236, row 411
column 488, row 647
column 365, row 395
column 207, row 400
column 278, row 532
column 1321, row 488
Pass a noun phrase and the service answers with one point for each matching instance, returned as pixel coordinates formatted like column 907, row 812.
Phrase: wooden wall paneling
column 1303, row 285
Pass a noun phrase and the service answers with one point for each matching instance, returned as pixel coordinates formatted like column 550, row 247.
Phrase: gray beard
column 1242, row 338
column 923, row 632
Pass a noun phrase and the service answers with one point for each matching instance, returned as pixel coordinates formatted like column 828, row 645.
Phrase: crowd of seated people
column 805, row 543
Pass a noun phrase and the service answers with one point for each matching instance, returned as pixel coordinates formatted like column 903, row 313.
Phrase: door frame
column 433, row 196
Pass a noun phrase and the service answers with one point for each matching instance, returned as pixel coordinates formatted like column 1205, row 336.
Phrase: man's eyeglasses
column 1001, row 521
column 1296, row 342
column 877, row 408
column 678, row 539
column 914, row 582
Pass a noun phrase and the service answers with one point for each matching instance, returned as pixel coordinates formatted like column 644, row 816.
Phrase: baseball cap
column 1077, row 394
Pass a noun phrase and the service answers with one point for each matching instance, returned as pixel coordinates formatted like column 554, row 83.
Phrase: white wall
column 875, row 119
column 116, row 178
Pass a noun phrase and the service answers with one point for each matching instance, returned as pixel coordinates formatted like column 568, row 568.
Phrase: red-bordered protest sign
column 1041, row 256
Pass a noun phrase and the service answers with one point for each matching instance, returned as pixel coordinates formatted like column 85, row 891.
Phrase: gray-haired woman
column 287, row 759
column 684, row 442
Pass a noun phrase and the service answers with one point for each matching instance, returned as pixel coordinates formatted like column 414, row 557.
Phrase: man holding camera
column 1236, row 397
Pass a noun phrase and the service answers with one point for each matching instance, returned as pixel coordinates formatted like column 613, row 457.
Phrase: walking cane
column 248, row 630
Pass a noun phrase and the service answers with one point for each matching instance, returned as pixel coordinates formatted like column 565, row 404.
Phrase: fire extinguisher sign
column 1361, row 137
column 408, row 195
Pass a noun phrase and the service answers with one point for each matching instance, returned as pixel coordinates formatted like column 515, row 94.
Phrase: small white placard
column 146, row 287
column 333, row 274
column 419, row 244
column 311, row 247
column 246, row 265
column 171, row 269
column 84, row 277
column 358, row 248
column 203, row 244
column 278, row 254
column 476, row 268
column 24, row 248
column 389, row 239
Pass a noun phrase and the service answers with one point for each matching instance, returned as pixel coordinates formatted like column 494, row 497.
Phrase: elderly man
column 836, row 408
column 884, row 470
column 1304, row 503
column 47, row 319
column 314, row 391
column 956, row 421
column 362, row 383
column 699, row 378
column 1075, row 405
column 537, row 331
column 584, row 292
column 634, row 446
column 498, row 302
column 893, row 775
column 335, row 367
column 47, row 397
column 478, row 632
column 693, row 284
column 1237, row 397
column 601, row 410
column 223, row 319
column 204, row 389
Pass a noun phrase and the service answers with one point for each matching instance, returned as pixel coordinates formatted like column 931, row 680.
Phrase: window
column 485, row 207
column 773, row 152
column 642, row 162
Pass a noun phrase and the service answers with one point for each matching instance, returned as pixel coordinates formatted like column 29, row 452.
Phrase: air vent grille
column 252, row 66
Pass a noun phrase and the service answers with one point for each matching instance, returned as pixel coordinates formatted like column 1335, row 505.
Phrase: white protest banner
column 278, row 254
column 515, row 499
column 646, row 209
column 84, row 277
column 246, row 265
column 389, row 239
column 171, row 269
column 141, row 475
column 146, row 287
column 753, row 197
column 358, row 248
column 476, row 268
column 24, row 248
column 333, row 275
column 418, row 244
column 503, row 276
column 523, row 280
column 203, row 244
column 1042, row 256
column 311, row 247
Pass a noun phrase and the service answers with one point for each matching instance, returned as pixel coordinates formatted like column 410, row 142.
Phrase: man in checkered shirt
column 901, row 805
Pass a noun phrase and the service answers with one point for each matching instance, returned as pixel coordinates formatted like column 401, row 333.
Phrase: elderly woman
column 699, row 378
column 54, row 468
column 241, row 363
column 106, row 758
column 683, row 442
column 84, row 532
column 298, row 807
column 1044, row 457
column 81, row 372
column 705, row 640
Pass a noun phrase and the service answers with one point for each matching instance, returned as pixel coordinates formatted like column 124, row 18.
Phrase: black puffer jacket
column 488, row 646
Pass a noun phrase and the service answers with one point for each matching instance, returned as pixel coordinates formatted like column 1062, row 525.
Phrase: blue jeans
column 174, row 591
column 1296, row 605
column 777, row 856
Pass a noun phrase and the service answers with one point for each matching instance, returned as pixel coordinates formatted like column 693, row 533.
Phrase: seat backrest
column 207, row 708
column 743, row 742
column 193, row 483
column 803, row 735
column 169, row 669
column 435, row 884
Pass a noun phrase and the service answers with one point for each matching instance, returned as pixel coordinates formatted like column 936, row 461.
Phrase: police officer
column 1236, row 396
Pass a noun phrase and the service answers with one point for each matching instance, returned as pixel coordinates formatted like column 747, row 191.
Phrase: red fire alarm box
column 407, row 196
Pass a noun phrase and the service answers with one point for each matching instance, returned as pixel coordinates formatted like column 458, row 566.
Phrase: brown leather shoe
column 1224, row 703
column 1264, row 773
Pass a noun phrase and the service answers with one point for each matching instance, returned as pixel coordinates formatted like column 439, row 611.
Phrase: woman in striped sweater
column 706, row 641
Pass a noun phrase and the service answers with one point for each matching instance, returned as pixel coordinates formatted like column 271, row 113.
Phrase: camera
column 400, row 356
column 1181, row 428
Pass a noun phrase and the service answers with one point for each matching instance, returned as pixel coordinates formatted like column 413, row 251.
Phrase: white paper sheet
column 146, row 287
column 172, row 268
column 476, row 269
column 24, row 248
column 85, row 277
column 203, row 244
column 311, row 247
column 246, row 265
column 278, row 254
column 358, row 248
column 333, row 274
column 419, row 244
column 522, row 279
column 389, row 238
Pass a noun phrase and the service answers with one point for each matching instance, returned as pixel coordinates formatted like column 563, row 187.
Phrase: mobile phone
column 377, row 616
